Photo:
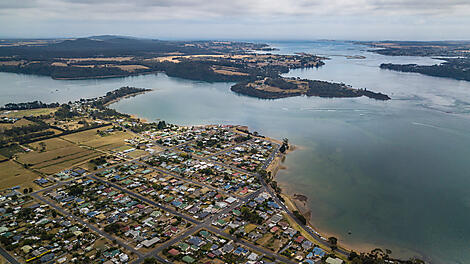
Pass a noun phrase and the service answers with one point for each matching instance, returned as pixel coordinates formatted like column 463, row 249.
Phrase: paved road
column 142, row 198
column 8, row 257
column 90, row 226
column 197, row 225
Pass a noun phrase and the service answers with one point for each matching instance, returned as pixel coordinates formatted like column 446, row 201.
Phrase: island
column 210, row 61
column 280, row 87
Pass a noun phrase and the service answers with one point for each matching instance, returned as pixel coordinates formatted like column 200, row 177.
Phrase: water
column 395, row 173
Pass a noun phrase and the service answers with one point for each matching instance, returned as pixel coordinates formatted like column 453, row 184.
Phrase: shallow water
column 395, row 173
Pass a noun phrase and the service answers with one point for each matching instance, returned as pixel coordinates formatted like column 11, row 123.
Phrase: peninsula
column 455, row 56
column 280, row 87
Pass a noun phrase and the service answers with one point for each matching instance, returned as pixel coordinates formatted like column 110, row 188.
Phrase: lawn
column 249, row 228
column 13, row 174
column 137, row 153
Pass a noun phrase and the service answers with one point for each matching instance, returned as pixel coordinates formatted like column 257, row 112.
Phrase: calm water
column 396, row 174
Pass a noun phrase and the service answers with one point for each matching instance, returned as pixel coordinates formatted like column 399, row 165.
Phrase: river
column 395, row 174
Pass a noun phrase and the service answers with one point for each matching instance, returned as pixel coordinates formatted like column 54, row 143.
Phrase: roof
column 331, row 260
column 173, row 252
column 149, row 243
column 188, row 259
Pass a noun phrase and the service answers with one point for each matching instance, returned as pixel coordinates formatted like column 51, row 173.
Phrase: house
column 196, row 241
column 253, row 256
column 227, row 248
column 274, row 229
column 290, row 232
column 188, row 259
column 26, row 249
column 184, row 247
column 331, row 260
column 307, row 245
column 276, row 218
column 318, row 252
column 173, row 252
column 123, row 257
column 299, row 239
column 230, row 200
column 148, row 243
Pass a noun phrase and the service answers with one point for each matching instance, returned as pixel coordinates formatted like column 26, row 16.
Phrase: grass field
column 19, row 123
column 29, row 112
column 92, row 139
column 13, row 174
column 59, row 154
column 137, row 153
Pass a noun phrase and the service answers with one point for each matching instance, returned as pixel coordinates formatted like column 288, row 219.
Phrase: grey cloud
column 240, row 17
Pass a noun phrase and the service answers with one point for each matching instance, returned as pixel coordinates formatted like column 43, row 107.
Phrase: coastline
column 297, row 201
column 127, row 96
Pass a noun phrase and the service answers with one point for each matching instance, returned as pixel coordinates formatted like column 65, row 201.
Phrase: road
column 197, row 225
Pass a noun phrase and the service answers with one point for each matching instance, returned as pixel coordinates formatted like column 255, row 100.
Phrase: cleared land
column 92, row 139
column 57, row 155
column 19, row 123
column 29, row 112
column 13, row 174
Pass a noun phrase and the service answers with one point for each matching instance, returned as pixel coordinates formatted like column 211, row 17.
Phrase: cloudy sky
column 239, row 19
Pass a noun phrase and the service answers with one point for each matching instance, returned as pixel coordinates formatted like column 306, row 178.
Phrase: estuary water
column 395, row 174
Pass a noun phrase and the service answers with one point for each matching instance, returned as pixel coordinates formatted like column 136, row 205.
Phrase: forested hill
column 455, row 68
column 110, row 46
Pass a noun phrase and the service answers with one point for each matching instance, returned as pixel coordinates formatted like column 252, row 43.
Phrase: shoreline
column 126, row 96
column 299, row 201
column 277, row 165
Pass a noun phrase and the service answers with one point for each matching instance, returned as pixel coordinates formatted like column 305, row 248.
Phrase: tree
column 282, row 149
column 333, row 242
column 151, row 260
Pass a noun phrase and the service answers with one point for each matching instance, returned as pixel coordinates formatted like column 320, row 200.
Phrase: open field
column 71, row 60
column 58, row 154
column 10, row 63
column 132, row 68
column 137, row 153
column 13, row 174
column 19, row 123
column 228, row 71
column 29, row 112
column 92, row 139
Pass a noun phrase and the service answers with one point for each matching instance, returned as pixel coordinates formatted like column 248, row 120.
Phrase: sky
column 239, row 19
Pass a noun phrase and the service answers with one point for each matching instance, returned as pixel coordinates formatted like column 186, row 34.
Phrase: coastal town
column 87, row 184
